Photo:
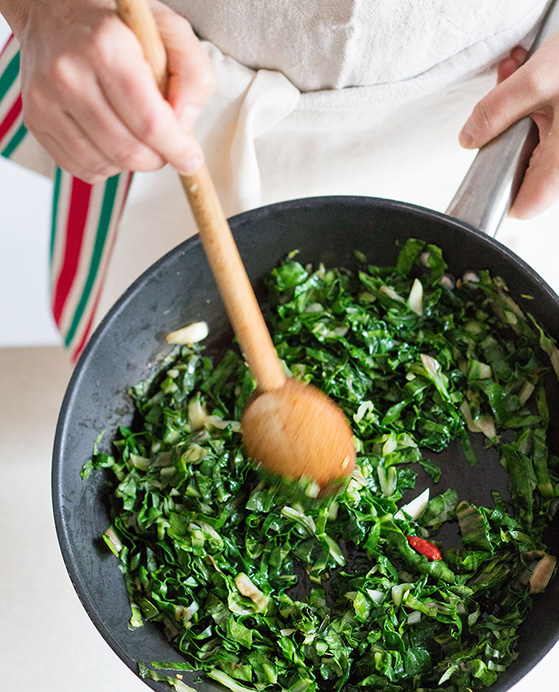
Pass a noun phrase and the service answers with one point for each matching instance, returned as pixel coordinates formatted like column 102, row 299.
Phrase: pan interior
column 178, row 290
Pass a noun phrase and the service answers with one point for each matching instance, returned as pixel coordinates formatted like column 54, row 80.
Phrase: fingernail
column 465, row 138
column 192, row 165
column 188, row 116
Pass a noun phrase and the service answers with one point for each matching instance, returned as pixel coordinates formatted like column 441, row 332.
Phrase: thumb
column 500, row 108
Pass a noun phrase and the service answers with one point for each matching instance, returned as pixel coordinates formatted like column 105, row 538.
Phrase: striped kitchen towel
column 84, row 219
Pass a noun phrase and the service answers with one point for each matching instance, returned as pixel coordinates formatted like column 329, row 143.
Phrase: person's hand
column 91, row 100
column 530, row 89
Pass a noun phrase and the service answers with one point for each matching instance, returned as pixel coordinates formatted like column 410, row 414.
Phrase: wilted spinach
column 262, row 590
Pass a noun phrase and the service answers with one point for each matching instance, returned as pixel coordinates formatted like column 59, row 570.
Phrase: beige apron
column 318, row 97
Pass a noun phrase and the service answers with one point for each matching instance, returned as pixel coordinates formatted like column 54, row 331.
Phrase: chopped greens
column 262, row 589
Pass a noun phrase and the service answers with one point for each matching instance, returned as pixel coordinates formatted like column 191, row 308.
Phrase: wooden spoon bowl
column 298, row 432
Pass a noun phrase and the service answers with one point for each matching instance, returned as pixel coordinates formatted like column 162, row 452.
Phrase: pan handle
column 492, row 181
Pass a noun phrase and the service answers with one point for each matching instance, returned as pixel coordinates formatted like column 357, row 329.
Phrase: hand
column 91, row 100
column 530, row 89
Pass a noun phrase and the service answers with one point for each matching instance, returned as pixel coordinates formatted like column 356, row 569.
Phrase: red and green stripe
column 84, row 220
column 12, row 129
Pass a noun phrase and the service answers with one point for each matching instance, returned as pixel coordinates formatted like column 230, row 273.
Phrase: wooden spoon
column 291, row 428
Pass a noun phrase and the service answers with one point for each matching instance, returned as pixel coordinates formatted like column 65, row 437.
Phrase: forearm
column 15, row 12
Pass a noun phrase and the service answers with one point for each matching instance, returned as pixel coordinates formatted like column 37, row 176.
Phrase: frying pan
column 179, row 289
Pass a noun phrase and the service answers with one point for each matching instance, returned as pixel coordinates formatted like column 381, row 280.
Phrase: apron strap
column 84, row 220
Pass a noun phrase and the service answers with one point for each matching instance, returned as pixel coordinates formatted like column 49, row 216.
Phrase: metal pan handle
column 492, row 181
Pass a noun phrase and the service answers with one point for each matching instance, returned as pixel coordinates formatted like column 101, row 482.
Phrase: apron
column 314, row 97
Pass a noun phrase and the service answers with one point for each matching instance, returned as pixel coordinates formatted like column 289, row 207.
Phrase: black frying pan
column 179, row 289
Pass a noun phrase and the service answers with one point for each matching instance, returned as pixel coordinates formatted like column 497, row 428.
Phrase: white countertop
column 47, row 641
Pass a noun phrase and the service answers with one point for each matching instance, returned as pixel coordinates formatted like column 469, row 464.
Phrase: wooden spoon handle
column 232, row 280
column 217, row 239
column 137, row 16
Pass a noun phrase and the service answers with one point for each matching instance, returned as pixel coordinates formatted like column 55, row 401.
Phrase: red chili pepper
column 423, row 547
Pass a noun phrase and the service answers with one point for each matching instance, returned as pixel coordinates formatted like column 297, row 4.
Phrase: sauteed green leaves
column 261, row 587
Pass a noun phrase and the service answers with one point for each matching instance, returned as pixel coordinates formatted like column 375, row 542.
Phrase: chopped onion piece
column 424, row 259
column 197, row 414
column 414, row 508
column 447, row 282
column 376, row 596
column 314, row 307
column 431, row 365
column 484, row 424
column 366, row 410
column 389, row 446
column 471, row 277
column 113, row 541
column 358, row 477
column 197, row 331
column 542, row 573
column 221, row 424
column 398, row 592
column 387, row 479
column 193, row 453
column 391, row 293
column 414, row 617
column 415, row 300
column 526, row 392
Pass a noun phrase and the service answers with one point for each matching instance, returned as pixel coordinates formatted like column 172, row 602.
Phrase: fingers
column 109, row 134
column 528, row 88
column 80, row 129
column 129, row 88
column 191, row 76
column 90, row 168
column 512, row 99
column 91, row 99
